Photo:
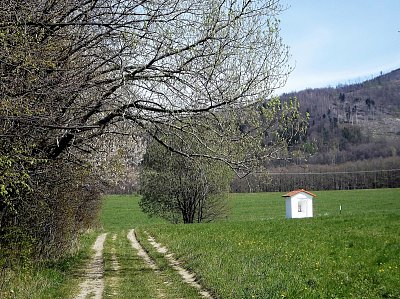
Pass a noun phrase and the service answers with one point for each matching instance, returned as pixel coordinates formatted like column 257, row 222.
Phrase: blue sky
column 341, row 41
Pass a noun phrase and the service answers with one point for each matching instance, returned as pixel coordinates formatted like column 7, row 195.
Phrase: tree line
column 378, row 173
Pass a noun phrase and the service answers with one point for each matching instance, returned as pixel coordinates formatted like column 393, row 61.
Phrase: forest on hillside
column 352, row 142
column 353, row 122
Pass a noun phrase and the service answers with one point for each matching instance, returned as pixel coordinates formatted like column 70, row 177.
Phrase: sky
column 339, row 41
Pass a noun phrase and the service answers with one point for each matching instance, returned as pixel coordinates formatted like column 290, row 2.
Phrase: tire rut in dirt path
column 189, row 278
column 143, row 254
column 93, row 284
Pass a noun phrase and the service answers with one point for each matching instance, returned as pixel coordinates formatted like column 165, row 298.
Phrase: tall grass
column 255, row 253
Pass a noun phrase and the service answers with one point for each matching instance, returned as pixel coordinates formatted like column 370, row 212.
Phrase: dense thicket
column 46, row 199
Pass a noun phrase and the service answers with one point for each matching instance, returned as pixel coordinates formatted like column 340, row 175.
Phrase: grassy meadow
column 254, row 253
column 257, row 253
column 268, row 206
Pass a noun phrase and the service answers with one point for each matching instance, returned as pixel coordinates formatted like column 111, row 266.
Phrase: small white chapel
column 299, row 204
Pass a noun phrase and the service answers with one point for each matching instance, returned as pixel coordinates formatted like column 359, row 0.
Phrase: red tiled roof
column 294, row 192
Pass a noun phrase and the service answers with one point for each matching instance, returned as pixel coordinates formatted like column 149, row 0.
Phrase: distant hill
column 353, row 122
column 353, row 140
column 370, row 103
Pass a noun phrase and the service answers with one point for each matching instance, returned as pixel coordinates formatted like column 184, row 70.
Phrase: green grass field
column 264, row 206
column 257, row 253
column 254, row 253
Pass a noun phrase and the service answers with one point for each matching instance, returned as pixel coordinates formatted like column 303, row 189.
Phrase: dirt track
column 189, row 278
column 92, row 285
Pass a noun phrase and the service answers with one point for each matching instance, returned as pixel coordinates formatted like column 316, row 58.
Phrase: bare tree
column 155, row 64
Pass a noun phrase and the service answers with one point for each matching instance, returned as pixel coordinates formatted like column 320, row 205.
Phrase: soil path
column 93, row 285
column 141, row 252
column 188, row 277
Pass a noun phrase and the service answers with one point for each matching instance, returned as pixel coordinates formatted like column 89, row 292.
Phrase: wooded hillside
column 354, row 122
column 354, row 130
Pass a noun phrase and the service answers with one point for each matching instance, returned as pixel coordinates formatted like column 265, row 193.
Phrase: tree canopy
column 74, row 73
column 86, row 66
column 193, row 189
